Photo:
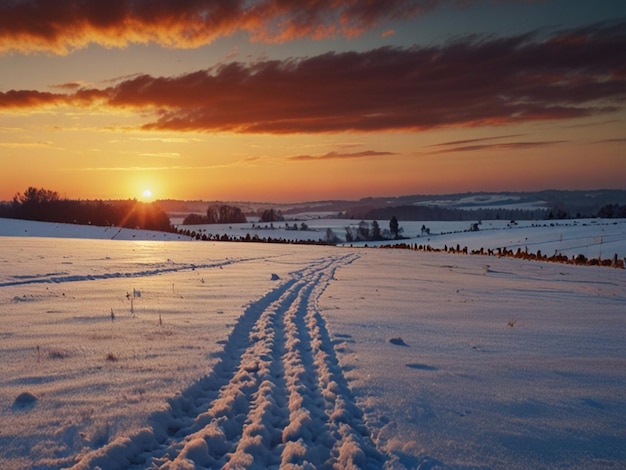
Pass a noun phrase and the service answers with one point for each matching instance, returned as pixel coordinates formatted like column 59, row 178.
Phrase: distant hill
column 536, row 204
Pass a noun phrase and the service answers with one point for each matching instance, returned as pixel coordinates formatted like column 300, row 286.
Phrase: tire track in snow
column 276, row 399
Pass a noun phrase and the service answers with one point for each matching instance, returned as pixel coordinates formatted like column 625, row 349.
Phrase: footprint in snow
column 25, row 400
column 398, row 342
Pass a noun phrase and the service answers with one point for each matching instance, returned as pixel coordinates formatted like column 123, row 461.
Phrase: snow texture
column 171, row 354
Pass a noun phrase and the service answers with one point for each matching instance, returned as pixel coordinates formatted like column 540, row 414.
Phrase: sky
column 278, row 101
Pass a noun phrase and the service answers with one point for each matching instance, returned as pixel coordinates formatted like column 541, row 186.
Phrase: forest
column 47, row 206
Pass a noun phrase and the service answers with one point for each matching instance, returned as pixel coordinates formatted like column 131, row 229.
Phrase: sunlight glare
column 147, row 194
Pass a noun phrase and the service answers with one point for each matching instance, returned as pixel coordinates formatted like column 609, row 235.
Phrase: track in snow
column 154, row 270
column 277, row 398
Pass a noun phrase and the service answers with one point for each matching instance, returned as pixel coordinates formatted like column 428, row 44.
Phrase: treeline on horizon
column 44, row 205
column 438, row 213
column 47, row 206
column 229, row 214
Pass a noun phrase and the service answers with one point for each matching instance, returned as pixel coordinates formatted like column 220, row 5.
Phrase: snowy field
column 594, row 238
column 146, row 351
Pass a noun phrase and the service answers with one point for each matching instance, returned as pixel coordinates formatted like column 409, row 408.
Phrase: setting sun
column 147, row 194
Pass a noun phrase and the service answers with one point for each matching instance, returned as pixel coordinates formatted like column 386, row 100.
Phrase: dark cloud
column 471, row 141
column 617, row 140
column 478, row 81
column 63, row 25
column 20, row 99
column 341, row 156
column 500, row 146
column 69, row 86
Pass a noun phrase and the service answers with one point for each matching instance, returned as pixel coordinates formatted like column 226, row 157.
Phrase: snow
column 593, row 238
column 148, row 352
column 29, row 228
column 486, row 201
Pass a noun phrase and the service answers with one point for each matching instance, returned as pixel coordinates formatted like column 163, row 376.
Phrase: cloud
column 471, row 141
column 65, row 25
column 161, row 155
column 500, row 146
column 25, row 144
column 69, row 86
column 32, row 99
column 167, row 140
column 476, row 81
column 594, row 123
column 17, row 99
column 341, row 156
column 125, row 168
column 617, row 140
column 114, row 80
column 155, row 168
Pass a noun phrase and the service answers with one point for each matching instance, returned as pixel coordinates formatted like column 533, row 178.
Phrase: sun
column 147, row 194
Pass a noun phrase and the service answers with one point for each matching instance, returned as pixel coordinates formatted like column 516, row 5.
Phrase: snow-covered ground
column 593, row 238
column 29, row 228
column 143, row 353
column 486, row 201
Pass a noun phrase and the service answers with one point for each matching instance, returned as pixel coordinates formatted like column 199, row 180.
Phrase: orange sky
column 275, row 102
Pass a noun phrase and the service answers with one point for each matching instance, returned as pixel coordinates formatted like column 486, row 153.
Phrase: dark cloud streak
column 340, row 156
column 617, row 140
column 471, row 141
column 500, row 146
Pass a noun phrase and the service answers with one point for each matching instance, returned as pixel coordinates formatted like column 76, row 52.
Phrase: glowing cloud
column 64, row 25
column 476, row 81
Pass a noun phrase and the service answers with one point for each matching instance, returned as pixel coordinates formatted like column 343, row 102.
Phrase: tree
column 270, row 215
column 394, row 227
column 37, row 204
column 36, row 196
column 363, row 230
column 376, row 234
column 612, row 210
column 46, row 206
column 224, row 214
column 194, row 219
column 331, row 238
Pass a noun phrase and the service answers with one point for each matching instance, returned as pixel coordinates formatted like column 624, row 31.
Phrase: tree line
column 217, row 214
column 365, row 232
column 612, row 211
column 45, row 205
column 432, row 213
column 227, row 214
